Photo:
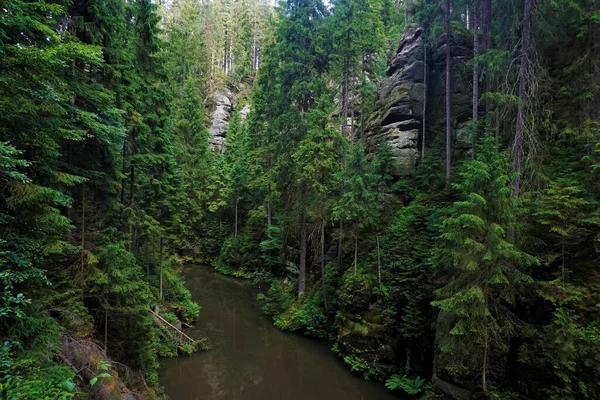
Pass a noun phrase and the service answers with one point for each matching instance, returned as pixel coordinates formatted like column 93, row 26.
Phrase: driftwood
column 173, row 327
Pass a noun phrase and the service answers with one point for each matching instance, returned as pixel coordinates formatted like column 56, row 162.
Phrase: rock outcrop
column 223, row 100
column 398, row 112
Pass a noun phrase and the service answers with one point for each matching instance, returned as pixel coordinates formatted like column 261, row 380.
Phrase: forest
column 416, row 182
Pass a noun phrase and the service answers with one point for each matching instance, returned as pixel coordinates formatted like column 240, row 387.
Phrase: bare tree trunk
column 523, row 71
column 355, row 252
column 448, row 90
column 82, row 228
column 345, row 99
column 302, row 275
column 596, row 67
column 474, row 20
column 105, row 330
column 424, row 119
column 269, row 211
column 230, row 55
column 235, row 228
column 378, row 261
column 253, row 53
column 405, row 12
column 160, row 263
column 123, row 182
column 340, row 253
column 131, row 185
column 488, row 45
column 485, row 356
column 562, row 248
column 323, row 286
column 363, row 136
column 340, row 243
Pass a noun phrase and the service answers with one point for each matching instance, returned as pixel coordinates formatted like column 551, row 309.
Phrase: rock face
column 398, row 112
column 223, row 99
column 399, row 106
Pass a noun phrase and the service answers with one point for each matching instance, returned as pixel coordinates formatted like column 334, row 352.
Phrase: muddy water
column 250, row 359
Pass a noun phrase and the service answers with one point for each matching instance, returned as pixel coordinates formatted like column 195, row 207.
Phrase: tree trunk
column 231, row 55
column 596, row 67
column 123, row 182
column 355, row 253
column 363, row 136
column 487, row 26
column 474, row 22
column 378, row 261
column 235, row 227
column 323, row 283
column 253, row 53
column 448, row 90
column 340, row 253
column 523, row 71
column 562, row 248
column 405, row 12
column 160, row 263
column 131, row 185
column 485, row 336
column 340, row 243
column 345, row 99
column 424, row 119
column 105, row 330
column 269, row 212
column 302, row 275
column 82, row 228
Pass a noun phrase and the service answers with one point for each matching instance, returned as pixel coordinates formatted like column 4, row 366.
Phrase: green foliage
column 360, row 201
column 357, row 364
column 485, row 269
column 416, row 387
column 103, row 368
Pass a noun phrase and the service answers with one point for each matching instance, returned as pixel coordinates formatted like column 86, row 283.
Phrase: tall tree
column 483, row 268
column 524, row 66
column 449, row 41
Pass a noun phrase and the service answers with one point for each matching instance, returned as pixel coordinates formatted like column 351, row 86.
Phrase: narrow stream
column 249, row 358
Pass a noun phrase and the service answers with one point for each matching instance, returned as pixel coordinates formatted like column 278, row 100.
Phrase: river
column 249, row 358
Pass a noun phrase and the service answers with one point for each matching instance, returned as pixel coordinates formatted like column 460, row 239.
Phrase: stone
column 399, row 105
column 223, row 99
column 245, row 111
column 397, row 116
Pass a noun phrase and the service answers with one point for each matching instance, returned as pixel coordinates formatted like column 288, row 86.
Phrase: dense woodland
column 471, row 275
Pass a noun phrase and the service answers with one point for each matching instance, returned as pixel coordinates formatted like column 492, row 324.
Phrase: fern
column 411, row 386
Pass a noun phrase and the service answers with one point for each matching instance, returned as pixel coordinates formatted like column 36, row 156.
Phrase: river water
column 249, row 358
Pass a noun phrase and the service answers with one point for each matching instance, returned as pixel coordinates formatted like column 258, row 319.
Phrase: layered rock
column 398, row 112
column 223, row 100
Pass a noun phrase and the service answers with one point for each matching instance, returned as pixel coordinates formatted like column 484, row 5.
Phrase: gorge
column 354, row 199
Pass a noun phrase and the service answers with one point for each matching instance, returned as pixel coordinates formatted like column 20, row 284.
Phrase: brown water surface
column 249, row 358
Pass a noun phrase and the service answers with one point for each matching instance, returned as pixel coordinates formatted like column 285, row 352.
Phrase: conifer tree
column 360, row 201
column 483, row 268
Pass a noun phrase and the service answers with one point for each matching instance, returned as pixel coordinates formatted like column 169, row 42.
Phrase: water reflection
column 250, row 359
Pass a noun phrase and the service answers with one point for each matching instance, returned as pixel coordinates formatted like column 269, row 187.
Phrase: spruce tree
column 482, row 269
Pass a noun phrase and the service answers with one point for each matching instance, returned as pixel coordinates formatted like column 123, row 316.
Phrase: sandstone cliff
column 397, row 117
